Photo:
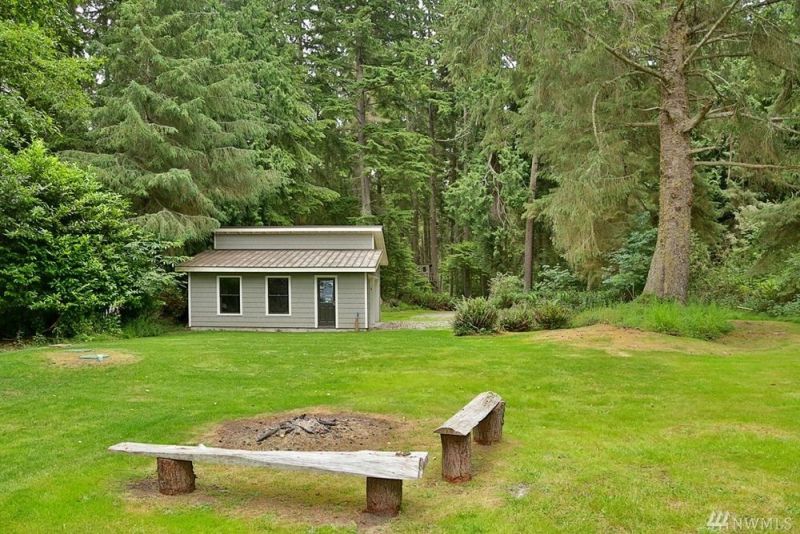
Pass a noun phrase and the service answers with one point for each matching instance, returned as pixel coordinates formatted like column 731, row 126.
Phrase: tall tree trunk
column 432, row 203
column 361, row 174
column 528, row 262
column 415, row 227
column 669, row 268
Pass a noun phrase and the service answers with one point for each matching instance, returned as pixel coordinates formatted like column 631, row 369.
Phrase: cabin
column 288, row 278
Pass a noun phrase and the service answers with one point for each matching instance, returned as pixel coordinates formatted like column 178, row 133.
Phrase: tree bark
column 490, row 430
column 669, row 269
column 175, row 477
column 432, row 203
column 361, row 174
column 384, row 496
column 415, row 227
column 456, row 458
column 529, row 250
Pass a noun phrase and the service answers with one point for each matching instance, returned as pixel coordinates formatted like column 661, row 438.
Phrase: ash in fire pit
column 320, row 431
column 304, row 423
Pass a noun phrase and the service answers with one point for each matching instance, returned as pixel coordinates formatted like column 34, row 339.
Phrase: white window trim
column 366, row 302
column 266, row 295
column 241, row 294
column 189, row 297
column 335, row 298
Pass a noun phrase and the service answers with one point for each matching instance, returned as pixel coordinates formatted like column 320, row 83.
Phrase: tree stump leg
column 384, row 496
column 175, row 477
column 490, row 430
column 456, row 458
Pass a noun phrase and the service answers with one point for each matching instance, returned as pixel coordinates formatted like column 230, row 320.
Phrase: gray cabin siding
column 351, row 301
column 293, row 241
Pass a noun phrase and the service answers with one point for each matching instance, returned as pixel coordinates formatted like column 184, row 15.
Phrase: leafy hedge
column 70, row 260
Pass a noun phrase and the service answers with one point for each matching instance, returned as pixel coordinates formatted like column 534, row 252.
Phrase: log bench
column 385, row 471
column 482, row 417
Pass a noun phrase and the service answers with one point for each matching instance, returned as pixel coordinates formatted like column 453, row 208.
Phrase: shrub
column 475, row 316
column 505, row 290
column 516, row 319
column 552, row 315
column 70, row 259
column 146, row 326
column 627, row 272
column 429, row 299
column 553, row 278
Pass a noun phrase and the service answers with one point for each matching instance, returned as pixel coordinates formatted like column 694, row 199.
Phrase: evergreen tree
column 671, row 80
column 179, row 129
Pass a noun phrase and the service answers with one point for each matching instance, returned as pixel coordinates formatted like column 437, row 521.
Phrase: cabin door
column 326, row 302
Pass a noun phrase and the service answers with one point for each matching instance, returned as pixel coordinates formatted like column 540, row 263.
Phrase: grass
column 702, row 321
column 651, row 442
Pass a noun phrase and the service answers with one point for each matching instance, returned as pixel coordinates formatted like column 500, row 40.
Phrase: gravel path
column 424, row 321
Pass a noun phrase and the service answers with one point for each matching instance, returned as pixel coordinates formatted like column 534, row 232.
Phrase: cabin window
column 279, row 295
column 229, row 295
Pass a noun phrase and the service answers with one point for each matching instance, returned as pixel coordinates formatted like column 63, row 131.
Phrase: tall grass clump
column 475, row 316
column 702, row 321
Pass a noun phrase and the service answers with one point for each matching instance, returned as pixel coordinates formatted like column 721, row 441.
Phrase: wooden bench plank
column 375, row 464
column 470, row 415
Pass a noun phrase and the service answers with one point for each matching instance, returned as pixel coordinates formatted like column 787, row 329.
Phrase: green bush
column 146, row 326
column 516, row 319
column 475, row 316
column 554, row 278
column 703, row 321
column 627, row 273
column 71, row 262
column 552, row 315
column 505, row 290
column 429, row 299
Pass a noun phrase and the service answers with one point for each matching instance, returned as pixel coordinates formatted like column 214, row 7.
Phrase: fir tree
column 178, row 129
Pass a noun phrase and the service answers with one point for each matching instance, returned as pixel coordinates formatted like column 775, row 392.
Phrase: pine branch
column 759, row 5
column 616, row 53
column 763, row 166
column 718, row 56
column 594, row 122
column 697, row 119
column 704, row 149
column 711, row 30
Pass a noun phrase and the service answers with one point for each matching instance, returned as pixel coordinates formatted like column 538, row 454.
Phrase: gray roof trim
column 284, row 260
column 375, row 230
column 190, row 269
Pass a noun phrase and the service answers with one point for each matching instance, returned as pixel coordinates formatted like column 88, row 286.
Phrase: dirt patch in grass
column 352, row 432
column 746, row 337
column 145, row 492
column 761, row 335
column 72, row 358
column 623, row 342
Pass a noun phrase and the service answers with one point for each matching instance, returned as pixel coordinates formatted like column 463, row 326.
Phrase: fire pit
column 308, row 432
column 304, row 423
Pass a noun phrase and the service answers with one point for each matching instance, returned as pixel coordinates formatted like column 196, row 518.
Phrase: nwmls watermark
column 722, row 520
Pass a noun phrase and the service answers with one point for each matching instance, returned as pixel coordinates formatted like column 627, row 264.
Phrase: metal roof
column 303, row 229
column 293, row 260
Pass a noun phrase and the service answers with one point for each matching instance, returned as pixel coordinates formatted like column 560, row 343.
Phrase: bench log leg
column 175, row 477
column 490, row 430
column 456, row 458
column 384, row 496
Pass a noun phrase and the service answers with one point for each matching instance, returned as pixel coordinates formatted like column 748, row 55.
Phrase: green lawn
column 651, row 442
